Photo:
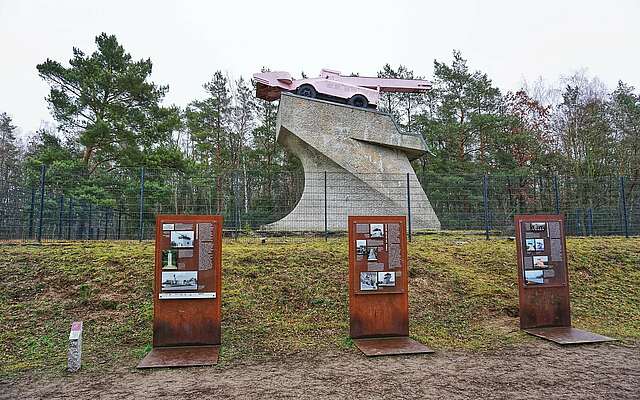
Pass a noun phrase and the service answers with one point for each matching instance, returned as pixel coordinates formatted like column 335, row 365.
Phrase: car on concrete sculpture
column 356, row 146
column 357, row 91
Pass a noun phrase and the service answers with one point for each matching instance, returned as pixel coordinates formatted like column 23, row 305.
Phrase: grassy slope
column 285, row 298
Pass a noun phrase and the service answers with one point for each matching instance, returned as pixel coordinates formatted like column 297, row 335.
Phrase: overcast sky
column 188, row 40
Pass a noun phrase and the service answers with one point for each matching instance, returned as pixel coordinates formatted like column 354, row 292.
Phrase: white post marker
column 75, row 347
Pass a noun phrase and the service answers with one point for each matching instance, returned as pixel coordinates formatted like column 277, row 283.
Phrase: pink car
column 357, row 91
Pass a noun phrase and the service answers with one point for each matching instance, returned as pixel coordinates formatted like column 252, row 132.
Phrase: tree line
column 110, row 117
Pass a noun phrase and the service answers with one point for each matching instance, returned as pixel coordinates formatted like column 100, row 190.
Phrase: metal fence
column 123, row 203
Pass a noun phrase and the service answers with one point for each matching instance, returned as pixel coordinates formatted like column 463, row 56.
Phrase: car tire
column 307, row 91
column 359, row 101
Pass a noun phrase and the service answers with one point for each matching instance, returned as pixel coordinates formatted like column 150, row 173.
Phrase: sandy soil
column 540, row 370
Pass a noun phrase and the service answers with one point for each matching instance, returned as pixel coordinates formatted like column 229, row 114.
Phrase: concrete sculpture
column 356, row 91
column 366, row 159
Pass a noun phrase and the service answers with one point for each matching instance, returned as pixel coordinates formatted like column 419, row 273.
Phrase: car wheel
column 307, row 91
column 358, row 100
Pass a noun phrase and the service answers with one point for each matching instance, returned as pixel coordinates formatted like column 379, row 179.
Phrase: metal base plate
column 567, row 335
column 389, row 346
column 183, row 356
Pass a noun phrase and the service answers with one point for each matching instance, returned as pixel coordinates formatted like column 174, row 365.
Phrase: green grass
column 280, row 299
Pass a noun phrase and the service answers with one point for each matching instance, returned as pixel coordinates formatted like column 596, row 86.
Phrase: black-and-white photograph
column 181, row 239
column 540, row 261
column 386, row 278
column 169, row 259
column 533, row 277
column 361, row 247
column 368, row 281
column 539, row 244
column 372, row 253
column 531, row 244
column 183, row 280
column 376, row 230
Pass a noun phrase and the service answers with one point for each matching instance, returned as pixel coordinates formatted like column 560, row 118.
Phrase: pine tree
column 107, row 103
column 10, row 168
column 463, row 119
column 208, row 122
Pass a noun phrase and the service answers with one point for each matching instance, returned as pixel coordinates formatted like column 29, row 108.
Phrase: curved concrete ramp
column 366, row 159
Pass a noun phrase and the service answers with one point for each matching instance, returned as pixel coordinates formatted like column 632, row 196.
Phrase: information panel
column 187, row 280
column 543, row 281
column 378, row 276
column 542, row 271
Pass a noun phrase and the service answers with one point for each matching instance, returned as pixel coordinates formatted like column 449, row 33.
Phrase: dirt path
column 540, row 370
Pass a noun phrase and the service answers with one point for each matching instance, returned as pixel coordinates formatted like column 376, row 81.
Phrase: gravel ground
column 539, row 370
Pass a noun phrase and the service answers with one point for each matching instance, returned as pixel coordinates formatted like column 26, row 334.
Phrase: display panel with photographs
column 378, row 258
column 542, row 260
column 187, row 281
column 188, row 249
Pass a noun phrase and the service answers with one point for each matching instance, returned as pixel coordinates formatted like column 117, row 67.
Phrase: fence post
column 236, row 205
column 141, row 226
column 119, row 222
column 99, row 217
column 409, row 206
column 43, row 171
column 624, row 208
column 589, row 221
column 89, row 222
column 485, row 197
column 106, row 222
column 69, row 219
column 82, row 220
column 557, row 193
column 326, row 231
column 31, row 211
column 60, row 217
